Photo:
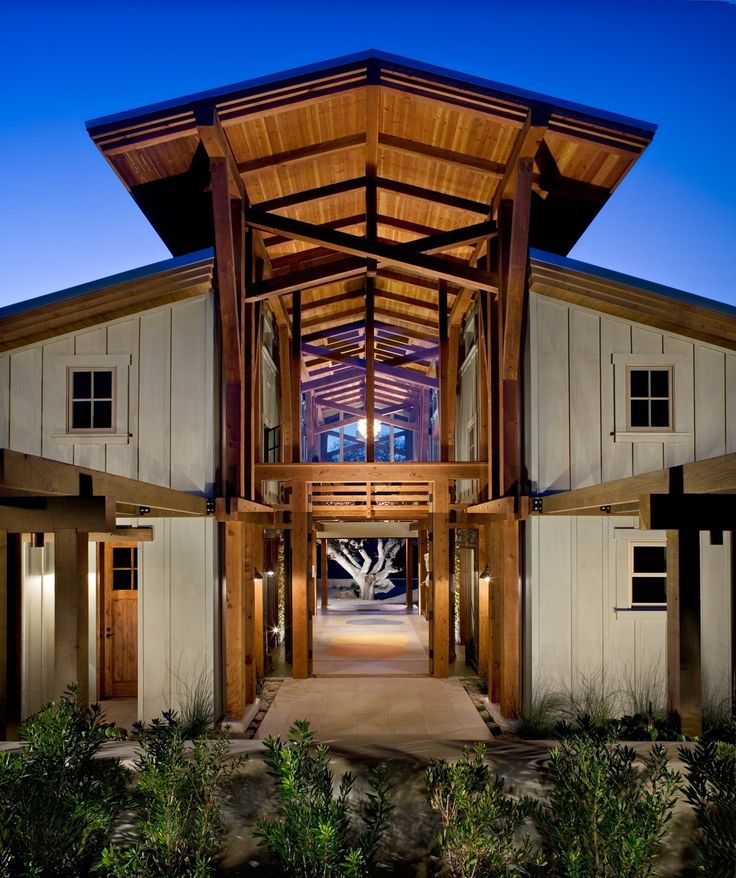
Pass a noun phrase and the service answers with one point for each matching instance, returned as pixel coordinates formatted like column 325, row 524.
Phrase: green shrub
column 197, row 713
column 711, row 790
column 605, row 818
column 315, row 836
column 57, row 801
column 177, row 804
column 541, row 713
column 480, row 822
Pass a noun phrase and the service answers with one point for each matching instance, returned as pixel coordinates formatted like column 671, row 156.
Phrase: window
column 652, row 398
column 125, row 568
column 91, row 398
column 648, row 574
column 649, row 398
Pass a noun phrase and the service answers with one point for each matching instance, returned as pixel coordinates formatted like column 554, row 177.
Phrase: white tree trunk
column 371, row 575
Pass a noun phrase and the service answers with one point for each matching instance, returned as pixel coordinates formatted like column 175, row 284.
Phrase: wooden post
column 285, row 394
column 484, row 606
column 494, row 547
column 440, row 578
column 370, row 369
column 250, row 642
column 4, row 627
column 684, row 679
column 313, row 573
column 324, row 562
column 259, row 624
column 510, row 671
column 71, row 612
column 422, row 541
column 299, row 581
column 445, row 397
column 409, row 572
column 234, row 624
column 296, row 377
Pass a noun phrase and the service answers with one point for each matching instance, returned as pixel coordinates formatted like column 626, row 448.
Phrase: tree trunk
column 371, row 575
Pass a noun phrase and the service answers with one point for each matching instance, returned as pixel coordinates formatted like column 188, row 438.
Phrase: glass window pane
column 639, row 382
column 134, row 552
column 121, row 580
column 650, row 559
column 660, row 413
column 135, row 579
column 81, row 415
column 81, row 385
column 639, row 413
column 649, row 590
column 102, row 417
column 103, row 385
column 121, row 556
column 660, row 382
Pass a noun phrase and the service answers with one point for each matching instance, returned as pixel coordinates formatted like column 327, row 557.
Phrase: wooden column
column 445, row 397
column 258, row 600
column 313, row 573
column 234, row 624
column 409, row 573
column 324, row 563
column 494, row 547
column 422, row 544
column 4, row 630
column 249, row 611
column 684, row 676
column 440, row 578
column 370, row 368
column 285, row 394
column 510, row 671
column 300, row 620
column 484, row 606
column 296, row 378
column 71, row 612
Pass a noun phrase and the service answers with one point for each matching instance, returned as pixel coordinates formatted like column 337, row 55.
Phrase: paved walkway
column 384, row 710
column 369, row 638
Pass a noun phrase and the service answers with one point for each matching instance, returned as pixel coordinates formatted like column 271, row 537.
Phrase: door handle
column 108, row 633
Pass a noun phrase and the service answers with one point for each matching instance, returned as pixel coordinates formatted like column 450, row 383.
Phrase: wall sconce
column 270, row 573
column 486, row 575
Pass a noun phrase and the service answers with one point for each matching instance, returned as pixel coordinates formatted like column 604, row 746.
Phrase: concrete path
column 377, row 710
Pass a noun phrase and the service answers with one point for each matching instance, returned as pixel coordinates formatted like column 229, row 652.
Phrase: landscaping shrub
column 541, row 713
column 480, row 822
column 711, row 790
column 315, row 836
column 57, row 801
column 177, row 804
column 605, row 818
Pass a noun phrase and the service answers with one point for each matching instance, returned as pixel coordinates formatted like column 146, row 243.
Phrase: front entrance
column 119, row 619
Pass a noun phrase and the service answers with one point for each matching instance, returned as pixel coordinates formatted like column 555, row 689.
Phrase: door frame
column 104, row 656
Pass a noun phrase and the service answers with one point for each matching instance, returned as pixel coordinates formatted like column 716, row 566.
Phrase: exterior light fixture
column 486, row 574
column 270, row 573
column 363, row 428
column 144, row 510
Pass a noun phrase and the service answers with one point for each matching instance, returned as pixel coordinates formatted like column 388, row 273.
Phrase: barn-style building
column 369, row 327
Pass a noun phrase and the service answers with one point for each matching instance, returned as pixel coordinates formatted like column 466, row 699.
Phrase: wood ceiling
column 385, row 149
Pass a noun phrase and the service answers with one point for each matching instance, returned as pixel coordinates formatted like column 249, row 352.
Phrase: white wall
column 577, row 626
column 167, row 358
column 570, row 397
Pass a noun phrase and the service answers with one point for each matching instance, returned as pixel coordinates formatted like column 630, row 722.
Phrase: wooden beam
column 292, row 156
column 126, row 534
column 307, row 278
column 445, row 156
column 453, row 238
column 47, row 514
column 684, row 674
column 28, row 474
column 369, row 472
column 675, row 511
column 432, row 195
column 71, row 612
column 388, row 254
column 317, row 194
column 300, row 618
column 440, row 622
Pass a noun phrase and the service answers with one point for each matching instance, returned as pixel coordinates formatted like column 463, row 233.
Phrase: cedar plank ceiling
column 448, row 134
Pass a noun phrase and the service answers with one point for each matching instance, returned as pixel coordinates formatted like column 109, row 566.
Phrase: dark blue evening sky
column 66, row 219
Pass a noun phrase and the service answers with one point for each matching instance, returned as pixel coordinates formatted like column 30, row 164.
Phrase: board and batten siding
column 571, row 397
column 579, row 633
column 171, row 410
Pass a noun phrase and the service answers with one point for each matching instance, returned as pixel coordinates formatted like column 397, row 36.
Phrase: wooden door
column 120, row 619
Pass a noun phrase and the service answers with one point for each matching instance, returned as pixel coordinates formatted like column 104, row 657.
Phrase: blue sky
column 65, row 219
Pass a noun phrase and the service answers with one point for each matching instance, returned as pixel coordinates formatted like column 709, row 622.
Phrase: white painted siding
column 571, row 397
column 170, row 405
column 578, row 628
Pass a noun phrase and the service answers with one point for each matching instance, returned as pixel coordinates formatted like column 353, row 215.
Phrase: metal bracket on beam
column 605, row 509
column 537, row 504
column 210, row 507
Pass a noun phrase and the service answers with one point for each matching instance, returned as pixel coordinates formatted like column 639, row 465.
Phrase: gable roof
column 105, row 299
column 300, row 140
